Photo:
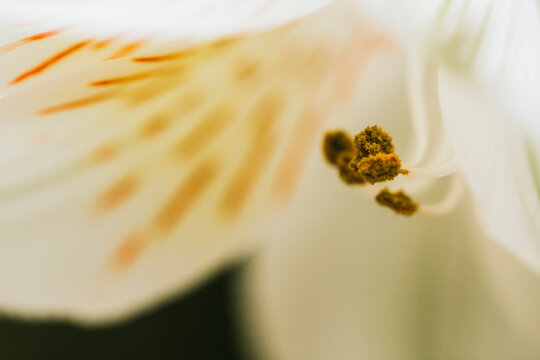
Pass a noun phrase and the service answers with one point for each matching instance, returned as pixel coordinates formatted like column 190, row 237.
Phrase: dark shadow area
column 197, row 326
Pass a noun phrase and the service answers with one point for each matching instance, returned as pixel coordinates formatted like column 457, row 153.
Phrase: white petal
column 506, row 64
column 346, row 279
column 131, row 180
column 202, row 19
column 497, row 162
column 41, row 39
column 349, row 280
column 492, row 43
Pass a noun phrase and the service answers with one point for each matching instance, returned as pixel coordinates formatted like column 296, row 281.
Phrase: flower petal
column 493, row 44
column 203, row 19
column 348, row 280
column 44, row 38
column 345, row 279
column 129, row 181
column 495, row 157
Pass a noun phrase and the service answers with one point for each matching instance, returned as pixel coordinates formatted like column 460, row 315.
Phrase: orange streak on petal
column 298, row 149
column 170, row 215
column 74, row 104
column 186, row 196
column 118, row 193
column 126, row 254
column 122, row 79
column 101, row 44
column 36, row 37
column 207, row 130
column 104, row 153
column 154, row 127
column 185, row 53
column 257, row 156
column 156, row 58
column 49, row 62
column 127, row 49
column 29, row 23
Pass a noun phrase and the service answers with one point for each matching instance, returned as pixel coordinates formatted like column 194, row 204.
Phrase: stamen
column 339, row 151
column 373, row 140
column 371, row 159
column 375, row 158
column 335, row 143
column 417, row 106
column 378, row 168
column 445, row 169
column 449, row 202
column 398, row 201
column 346, row 173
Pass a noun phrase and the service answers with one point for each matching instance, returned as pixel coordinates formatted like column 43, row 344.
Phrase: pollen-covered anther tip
column 339, row 151
column 346, row 173
column 375, row 159
column 373, row 140
column 336, row 143
column 377, row 168
column 398, row 201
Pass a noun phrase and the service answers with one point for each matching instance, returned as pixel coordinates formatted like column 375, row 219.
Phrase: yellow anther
column 398, row 201
column 346, row 173
column 369, row 158
column 377, row 168
column 336, row 143
column 373, row 140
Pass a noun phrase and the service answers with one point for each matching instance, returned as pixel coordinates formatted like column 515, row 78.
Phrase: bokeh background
column 197, row 326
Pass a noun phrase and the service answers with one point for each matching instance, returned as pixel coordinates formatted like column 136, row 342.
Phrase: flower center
column 369, row 157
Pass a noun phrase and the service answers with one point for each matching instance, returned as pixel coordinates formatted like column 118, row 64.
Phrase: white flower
column 352, row 284
column 488, row 90
column 145, row 145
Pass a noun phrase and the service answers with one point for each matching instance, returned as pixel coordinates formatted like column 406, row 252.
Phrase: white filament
column 449, row 202
column 415, row 90
column 447, row 168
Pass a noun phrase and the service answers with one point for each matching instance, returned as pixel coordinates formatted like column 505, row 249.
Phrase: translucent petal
column 129, row 181
column 506, row 65
column 493, row 44
column 178, row 19
column 495, row 157
column 46, row 38
column 349, row 280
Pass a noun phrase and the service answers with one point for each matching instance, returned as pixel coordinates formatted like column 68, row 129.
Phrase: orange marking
column 118, row 193
column 30, row 23
column 70, row 105
column 257, row 157
column 49, row 62
column 155, row 126
column 350, row 65
column 122, row 79
column 297, row 151
column 128, row 252
column 191, row 100
column 104, row 153
column 152, row 90
column 207, row 130
column 247, row 71
column 186, row 196
column 156, row 58
column 169, row 56
column 223, row 43
column 36, row 37
column 127, row 49
column 101, row 44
